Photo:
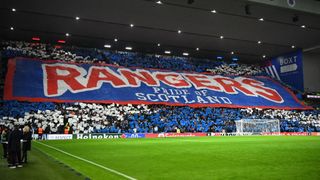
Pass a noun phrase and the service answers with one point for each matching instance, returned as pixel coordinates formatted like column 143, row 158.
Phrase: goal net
column 258, row 127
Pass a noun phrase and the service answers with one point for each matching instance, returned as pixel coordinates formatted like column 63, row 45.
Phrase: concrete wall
column 311, row 71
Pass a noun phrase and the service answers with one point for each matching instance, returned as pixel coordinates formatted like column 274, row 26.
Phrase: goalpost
column 258, row 127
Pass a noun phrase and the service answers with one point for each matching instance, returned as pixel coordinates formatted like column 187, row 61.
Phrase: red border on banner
column 290, row 92
column 9, row 80
column 8, row 93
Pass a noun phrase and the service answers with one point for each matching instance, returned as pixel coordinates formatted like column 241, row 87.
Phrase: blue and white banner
column 55, row 81
column 287, row 68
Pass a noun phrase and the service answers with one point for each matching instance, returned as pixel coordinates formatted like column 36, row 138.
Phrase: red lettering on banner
column 134, row 78
column 57, row 73
column 230, row 85
column 201, row 82
column 172, row 79
column 264, row 92
column 96, row 80
column 58, row 78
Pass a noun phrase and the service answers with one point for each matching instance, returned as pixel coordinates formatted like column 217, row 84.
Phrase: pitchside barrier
column 161, row 135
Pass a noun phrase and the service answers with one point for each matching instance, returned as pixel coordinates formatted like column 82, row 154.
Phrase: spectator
column 27, row 136
column 4, row 142
column 14, row 148
column 40, row 133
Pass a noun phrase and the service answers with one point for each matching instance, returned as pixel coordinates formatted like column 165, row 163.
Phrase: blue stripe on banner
column 275, row 72
column 271, row 71
column 267, row 70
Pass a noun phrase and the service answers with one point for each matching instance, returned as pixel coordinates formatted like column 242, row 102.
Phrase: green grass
column 192, row 158
column 39, row 167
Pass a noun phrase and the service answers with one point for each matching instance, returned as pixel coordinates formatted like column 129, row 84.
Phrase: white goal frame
column 258, row 127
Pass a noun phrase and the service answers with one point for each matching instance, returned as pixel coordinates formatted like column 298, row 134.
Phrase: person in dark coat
column 14, row 148
column 26, row 146
column 4, row 142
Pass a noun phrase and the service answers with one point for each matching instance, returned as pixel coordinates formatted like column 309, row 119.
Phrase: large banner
column 287, row 68
column 55, row 81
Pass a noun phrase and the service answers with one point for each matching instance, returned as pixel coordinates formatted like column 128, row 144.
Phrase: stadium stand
column 115, row 118
column 159, row 89
column 12, row 49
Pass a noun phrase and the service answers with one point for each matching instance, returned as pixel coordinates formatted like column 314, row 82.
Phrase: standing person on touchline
column 4, row 141
column 26, row 143
column 14, row 148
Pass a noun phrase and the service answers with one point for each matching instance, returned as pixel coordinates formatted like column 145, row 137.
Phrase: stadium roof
column 250, row 29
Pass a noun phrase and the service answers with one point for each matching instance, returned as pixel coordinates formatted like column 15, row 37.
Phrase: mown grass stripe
column 88, row 161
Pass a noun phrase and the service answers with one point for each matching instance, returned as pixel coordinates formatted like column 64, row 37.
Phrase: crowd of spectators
column 237, row 69
column 12, row 49
column 115, row 118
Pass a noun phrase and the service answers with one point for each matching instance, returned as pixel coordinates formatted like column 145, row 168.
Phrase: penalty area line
column 88, row 161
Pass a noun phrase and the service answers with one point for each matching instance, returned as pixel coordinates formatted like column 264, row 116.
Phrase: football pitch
column 255, row 157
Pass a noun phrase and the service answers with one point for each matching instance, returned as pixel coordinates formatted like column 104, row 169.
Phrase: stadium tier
column 80, row 117
column 159, row 89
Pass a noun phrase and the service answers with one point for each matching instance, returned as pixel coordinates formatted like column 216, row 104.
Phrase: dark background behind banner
column 311, row 73
column 288, row 68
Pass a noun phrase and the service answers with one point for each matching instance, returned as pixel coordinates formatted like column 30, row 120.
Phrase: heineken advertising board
column 96, row 136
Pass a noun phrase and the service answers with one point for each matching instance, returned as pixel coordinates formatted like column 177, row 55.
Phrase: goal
column 258, row 127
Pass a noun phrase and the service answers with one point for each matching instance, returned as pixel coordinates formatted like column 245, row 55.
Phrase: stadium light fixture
column 185, row 54
column 197, row 49
column 295, row 18
column 67, row 34
column 11, row 28
column 77, row 18
column 303, row 26
column 221, row 37
column 107, row 46
column 13, row 10
column 131, row 25
column 129, row 48
column 264, row 56
column 259, row 42
column 158, row 44
column 115, row 40
column 179, row 31
column 293, row 46
column 159, row 2
column 213, row 11
column 261, row 19
column 232, row 52
column 167, row 52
